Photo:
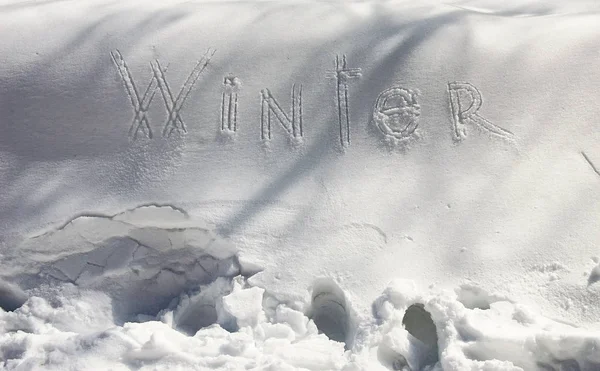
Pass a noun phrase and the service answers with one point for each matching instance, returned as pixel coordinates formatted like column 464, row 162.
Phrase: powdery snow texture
column 300, row 185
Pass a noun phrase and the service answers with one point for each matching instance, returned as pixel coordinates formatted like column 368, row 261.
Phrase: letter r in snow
column 465, row 102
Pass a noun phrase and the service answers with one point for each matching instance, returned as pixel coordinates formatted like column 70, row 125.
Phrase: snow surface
column 299, row 185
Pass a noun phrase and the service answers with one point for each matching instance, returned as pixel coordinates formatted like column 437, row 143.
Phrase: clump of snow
column 472, row 296
column 245, row 306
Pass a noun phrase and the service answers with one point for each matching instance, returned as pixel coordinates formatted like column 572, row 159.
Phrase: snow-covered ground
column 300, row 185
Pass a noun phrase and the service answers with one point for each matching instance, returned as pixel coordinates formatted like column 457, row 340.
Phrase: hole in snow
column 328, row 310
column 419, row 324
column 199, row 310
column 400, row 363
column 11, row 296
column 195, row 315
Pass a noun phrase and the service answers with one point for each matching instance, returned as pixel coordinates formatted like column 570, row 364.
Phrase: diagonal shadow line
column 416, row 35
column 306, row 164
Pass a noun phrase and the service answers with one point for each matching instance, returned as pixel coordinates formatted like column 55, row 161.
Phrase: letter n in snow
column 271, row 110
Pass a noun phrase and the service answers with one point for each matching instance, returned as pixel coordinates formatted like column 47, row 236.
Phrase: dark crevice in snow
column 197, row 316
column 594, row 275
column 328, row 311
column 11, row 296
column 201, row 308
column 419, row 324
column 174, row 278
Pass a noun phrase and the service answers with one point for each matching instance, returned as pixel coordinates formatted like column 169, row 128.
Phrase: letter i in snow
column 229, row 104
